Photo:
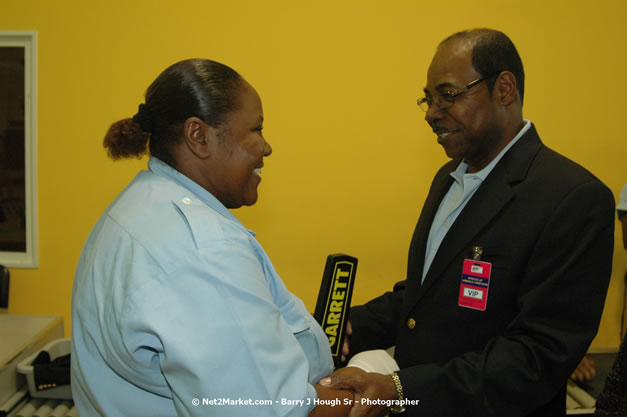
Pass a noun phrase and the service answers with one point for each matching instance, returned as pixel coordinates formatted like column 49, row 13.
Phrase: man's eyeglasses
column 447, row 98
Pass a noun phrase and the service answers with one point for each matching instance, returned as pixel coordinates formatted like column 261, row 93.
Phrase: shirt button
column 411, row 323
column 187, row 200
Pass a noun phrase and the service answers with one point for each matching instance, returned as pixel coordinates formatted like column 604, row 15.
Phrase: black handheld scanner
column 334, row 300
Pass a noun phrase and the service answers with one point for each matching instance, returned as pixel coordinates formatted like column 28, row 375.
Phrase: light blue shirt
column 459, row 194
column 175, row 302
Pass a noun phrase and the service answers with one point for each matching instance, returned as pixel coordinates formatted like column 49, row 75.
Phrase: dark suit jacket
column 547, row 227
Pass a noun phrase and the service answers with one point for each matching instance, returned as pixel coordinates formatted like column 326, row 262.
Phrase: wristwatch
column 400, row 408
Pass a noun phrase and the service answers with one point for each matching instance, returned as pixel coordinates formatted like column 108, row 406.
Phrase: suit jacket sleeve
column 374, row 324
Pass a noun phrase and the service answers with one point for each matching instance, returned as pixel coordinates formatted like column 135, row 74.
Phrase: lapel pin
column 477, row 251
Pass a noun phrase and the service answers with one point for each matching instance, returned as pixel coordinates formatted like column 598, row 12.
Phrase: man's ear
column 198, row 137
column 505, row 88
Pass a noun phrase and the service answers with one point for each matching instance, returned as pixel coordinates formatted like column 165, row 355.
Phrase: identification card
column 473, row 290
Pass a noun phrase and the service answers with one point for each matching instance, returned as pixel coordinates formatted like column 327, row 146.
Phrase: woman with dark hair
column 176, row 308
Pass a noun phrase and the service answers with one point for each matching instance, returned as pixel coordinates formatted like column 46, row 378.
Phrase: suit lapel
column 491, row 197
column 487, row 202
column 440, row 187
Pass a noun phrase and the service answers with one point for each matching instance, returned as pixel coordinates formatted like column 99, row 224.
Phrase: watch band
column 400, row 408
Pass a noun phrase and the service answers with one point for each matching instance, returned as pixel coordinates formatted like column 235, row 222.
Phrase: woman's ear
column 198, row 136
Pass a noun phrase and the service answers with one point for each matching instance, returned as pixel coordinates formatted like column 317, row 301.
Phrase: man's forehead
column 451, row 66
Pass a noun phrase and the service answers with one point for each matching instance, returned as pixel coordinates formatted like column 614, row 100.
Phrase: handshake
column 368, row 379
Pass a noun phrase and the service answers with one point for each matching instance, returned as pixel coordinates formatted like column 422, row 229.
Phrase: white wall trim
column 28, row 40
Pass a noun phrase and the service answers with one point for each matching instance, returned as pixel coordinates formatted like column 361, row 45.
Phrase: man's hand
column 585, row 370
column 369, row 385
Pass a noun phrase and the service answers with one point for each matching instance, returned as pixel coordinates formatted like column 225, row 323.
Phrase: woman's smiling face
column 238, row 157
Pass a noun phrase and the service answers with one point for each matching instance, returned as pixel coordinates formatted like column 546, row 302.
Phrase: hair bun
column 143, row 118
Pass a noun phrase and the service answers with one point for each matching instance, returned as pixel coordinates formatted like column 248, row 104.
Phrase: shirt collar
column 462, row 168
column 162, row 169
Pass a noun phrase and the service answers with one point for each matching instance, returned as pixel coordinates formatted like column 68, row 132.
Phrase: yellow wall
column 353, row 157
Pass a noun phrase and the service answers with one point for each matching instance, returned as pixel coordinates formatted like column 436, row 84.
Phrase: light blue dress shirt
column 462, row 189
column 177, row 310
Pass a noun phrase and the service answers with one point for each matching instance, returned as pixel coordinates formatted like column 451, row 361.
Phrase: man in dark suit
column 509, row 263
